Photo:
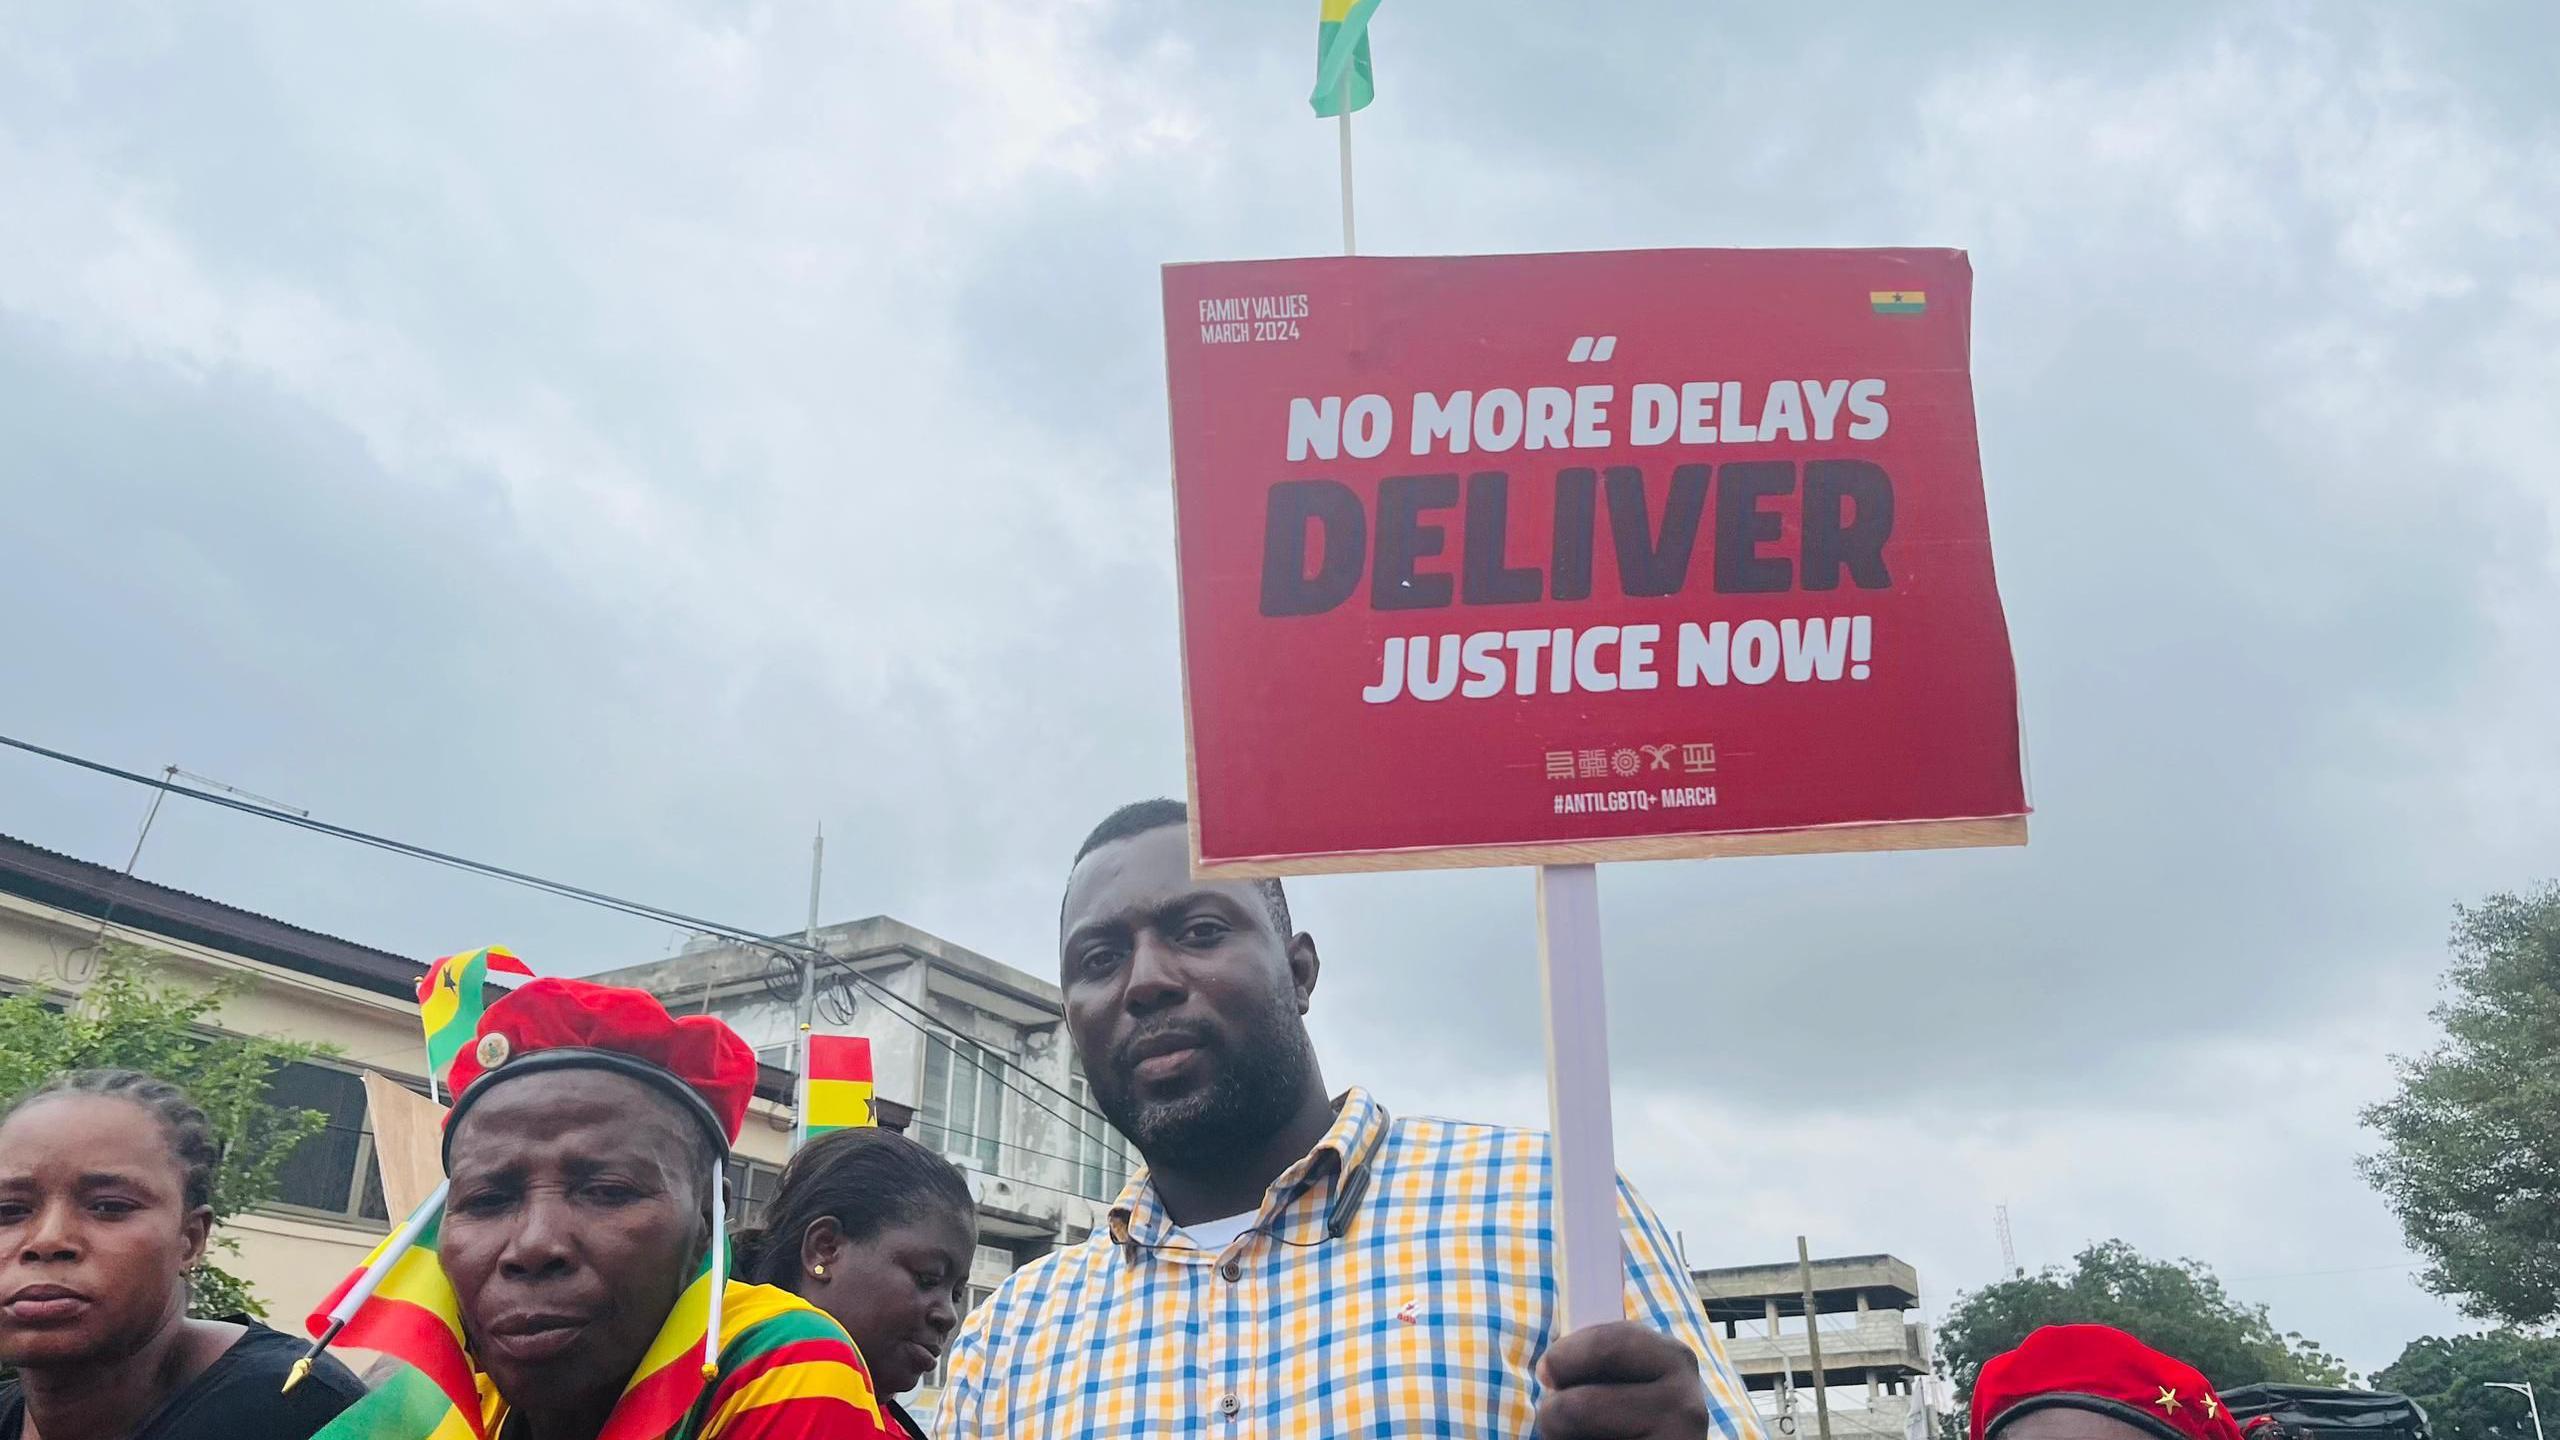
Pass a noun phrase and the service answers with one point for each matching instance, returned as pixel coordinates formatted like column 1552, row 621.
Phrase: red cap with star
column 2100, row 1368
column 553, row 1024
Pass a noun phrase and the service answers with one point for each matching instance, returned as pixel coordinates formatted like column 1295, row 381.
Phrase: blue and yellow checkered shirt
column 1426, row 1318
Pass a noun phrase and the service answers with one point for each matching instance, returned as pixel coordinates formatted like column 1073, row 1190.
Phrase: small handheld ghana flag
column 839, row 1081
column 398, row 1302
column 450, row 999
column 1344, row 81
column 1898, row 302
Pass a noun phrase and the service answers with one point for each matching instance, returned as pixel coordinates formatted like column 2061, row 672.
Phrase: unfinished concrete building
column 1875, row 1352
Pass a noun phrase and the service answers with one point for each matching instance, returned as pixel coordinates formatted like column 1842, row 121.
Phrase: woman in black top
column 877, row 1231
column 106, row 1201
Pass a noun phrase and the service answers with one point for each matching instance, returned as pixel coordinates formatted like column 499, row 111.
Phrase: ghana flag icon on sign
column 839, row 1085
column 1898, row 302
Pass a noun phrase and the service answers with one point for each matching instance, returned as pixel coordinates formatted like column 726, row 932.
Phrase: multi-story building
column 1875, row 1354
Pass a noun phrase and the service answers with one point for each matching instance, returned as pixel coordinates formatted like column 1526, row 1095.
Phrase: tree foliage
column 2451, row 1378
column 2173, row 1306
column 130, row 1018
column 2471, row 1157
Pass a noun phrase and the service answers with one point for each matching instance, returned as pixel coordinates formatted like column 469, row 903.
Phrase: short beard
column 1253, row 1098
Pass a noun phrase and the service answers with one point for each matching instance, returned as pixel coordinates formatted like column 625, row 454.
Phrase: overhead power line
column 914, row 1016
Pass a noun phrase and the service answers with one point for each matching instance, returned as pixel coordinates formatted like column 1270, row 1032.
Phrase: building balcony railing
column 1881, row 1341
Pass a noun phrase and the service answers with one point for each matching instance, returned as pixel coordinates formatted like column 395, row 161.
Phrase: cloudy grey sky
column 612, row 438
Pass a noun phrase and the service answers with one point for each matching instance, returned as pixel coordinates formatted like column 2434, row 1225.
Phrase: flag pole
column 426, row 987
column 393, row 1247
column 1350, row 246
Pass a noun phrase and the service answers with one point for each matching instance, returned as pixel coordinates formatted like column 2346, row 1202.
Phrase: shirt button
column 1228, row 1405
column 1233, row 1271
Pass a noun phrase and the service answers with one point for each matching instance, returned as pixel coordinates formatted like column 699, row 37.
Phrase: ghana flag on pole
column 1898, row 302
column 1344, row 81
column 450, row 999
column 839, row 1085
column 413, row 1317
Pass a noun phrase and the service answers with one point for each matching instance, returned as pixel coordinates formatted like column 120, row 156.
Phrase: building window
column 963, row 1112
column 784, row 1057
column 332, row 1171
column 1102, row 1153
column 752, row 1186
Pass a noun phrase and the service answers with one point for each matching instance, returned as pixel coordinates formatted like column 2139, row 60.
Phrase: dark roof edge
column 48, row 877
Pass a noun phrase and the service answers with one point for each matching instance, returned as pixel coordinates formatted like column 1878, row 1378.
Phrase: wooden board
column 408, row 1142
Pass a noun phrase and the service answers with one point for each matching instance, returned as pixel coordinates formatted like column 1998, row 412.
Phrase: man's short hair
column 1141, row 816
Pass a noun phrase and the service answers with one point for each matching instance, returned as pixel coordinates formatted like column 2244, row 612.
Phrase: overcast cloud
column 611, row 439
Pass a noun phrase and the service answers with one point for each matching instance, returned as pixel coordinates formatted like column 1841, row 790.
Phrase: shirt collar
column 1359, row 1128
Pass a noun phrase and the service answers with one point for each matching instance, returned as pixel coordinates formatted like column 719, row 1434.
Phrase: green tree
column 2173, row 1306
column 2452, row 1379
column 2471, row 1157
column 130, row 1018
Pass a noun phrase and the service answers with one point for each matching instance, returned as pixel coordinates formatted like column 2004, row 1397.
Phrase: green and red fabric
column 787, row 1372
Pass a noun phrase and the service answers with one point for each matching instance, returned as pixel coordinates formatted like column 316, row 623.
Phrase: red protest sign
column 1561, row 558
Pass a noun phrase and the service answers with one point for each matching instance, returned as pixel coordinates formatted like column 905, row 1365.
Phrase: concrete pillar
column 1772, row 1305
column 1871, row 1375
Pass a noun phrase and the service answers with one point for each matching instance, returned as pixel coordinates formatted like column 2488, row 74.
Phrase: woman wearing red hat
column 2094, row 1382
column 580, row 1251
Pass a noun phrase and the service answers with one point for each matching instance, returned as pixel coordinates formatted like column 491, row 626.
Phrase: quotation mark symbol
column 1593, row 348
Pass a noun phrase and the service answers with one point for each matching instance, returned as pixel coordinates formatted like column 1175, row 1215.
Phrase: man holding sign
column 1551, row 560
column 1291, row 1263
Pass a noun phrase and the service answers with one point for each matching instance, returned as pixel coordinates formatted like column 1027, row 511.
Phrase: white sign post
column 1586, row 1165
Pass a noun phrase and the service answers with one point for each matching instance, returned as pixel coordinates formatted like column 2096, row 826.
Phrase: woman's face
column 574, row 1224
column 898, row 1294
column 95, row 1231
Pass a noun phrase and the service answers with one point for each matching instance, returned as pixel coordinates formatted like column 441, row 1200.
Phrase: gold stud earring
column 820, row 1271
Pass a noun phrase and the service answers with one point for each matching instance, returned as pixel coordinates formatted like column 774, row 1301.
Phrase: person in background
column 2095, row 1382
column 877, row 1231
column 106, row 1202
column 1292, row 1262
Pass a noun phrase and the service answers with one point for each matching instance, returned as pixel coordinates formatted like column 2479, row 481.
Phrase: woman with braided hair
column 106, row 1201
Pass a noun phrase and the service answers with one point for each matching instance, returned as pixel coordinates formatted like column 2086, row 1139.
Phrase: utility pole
column 809, row 982
column 1813, row 1338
